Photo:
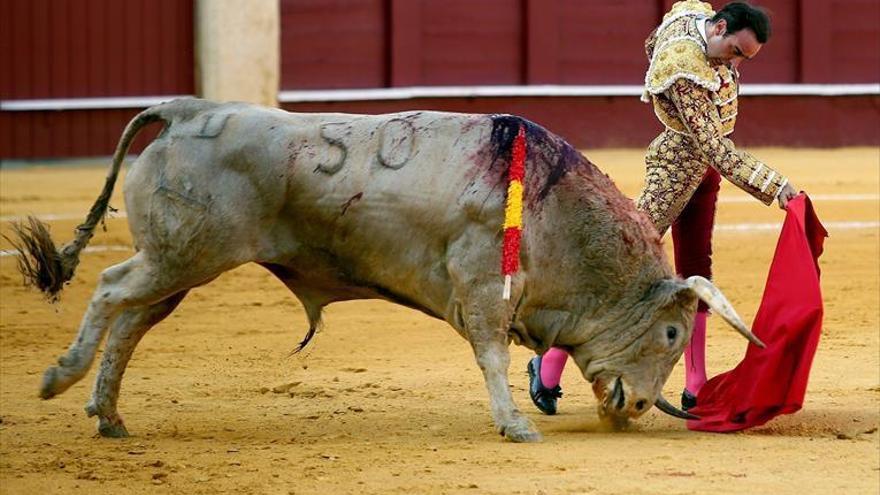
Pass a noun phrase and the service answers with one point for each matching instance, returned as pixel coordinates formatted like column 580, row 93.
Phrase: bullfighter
column 692, row 82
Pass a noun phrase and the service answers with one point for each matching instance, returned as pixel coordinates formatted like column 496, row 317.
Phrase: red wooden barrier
column 95, row 48
column 329, row 45
column 352, row 43
column 87, row 48
column 100, row 48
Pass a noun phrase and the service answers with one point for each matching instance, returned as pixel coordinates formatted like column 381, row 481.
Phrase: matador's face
column 730, row 48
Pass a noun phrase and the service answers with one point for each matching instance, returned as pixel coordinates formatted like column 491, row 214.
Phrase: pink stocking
column 552, row 364
column 695, row 356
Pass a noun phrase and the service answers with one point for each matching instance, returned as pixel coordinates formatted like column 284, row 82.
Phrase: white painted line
column 814, row 197
column 726, row 227
column 809, row 89
column 86, row 103
column 407, row 93
column 51, row 217
column 758, row 227
column 89, row 249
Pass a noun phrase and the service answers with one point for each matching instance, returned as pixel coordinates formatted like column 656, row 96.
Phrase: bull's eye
column 671, row 334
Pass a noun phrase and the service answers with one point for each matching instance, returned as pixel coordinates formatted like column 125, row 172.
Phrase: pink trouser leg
column 695, row 356
column 692, row 242
column 552, row 364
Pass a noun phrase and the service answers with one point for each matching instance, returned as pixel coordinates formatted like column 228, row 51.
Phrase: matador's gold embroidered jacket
column 697, row 103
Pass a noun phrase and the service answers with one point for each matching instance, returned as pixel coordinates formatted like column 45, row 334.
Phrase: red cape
column 772, row 381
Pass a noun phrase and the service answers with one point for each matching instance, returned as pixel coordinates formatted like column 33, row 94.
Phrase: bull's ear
column 674, row 292
column 685, row 296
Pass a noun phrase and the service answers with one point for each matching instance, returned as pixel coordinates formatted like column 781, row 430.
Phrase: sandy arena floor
column 387, row 400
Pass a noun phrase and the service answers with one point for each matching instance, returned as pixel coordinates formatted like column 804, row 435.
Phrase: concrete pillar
column 238, row 44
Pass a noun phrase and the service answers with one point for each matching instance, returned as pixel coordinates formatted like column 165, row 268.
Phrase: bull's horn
column 671, row 410
column 713, row 297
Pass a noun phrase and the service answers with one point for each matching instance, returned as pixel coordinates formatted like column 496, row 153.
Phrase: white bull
column 406, row 207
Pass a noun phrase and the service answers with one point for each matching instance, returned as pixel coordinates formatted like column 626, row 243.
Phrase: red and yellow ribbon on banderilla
column 513, row 211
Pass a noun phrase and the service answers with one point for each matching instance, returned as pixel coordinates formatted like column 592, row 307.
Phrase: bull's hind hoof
column 522, row 434
column 109, row 429
column 50, row 381
column 58, row 379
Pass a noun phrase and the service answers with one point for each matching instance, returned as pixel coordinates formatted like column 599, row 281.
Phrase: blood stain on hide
column 549, row 157
column 351, row 201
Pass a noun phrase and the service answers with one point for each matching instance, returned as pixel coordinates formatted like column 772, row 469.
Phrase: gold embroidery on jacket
column 675, row 162
column 698, row 105
column 676, row 50
column 688, row 7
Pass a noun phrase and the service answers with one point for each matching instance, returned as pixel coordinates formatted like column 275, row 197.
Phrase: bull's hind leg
column 131, row 283
column 125, row 334
column 74, row 365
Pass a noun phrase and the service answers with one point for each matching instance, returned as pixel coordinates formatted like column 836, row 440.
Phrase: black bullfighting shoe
column 688, row 400
column 543, row 397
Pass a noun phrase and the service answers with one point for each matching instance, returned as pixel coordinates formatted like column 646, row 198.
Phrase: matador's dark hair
column 741, row 15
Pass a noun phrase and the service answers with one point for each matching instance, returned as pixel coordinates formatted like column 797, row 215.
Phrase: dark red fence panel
column 839, row 41
column 466, row 42
column 95, row 48
column 101, row 48
column 51, row 49
column 778, row 61
column 604, row 42
column 333, row 44
column 66, row 134
column 855, row 41
column 382, row 43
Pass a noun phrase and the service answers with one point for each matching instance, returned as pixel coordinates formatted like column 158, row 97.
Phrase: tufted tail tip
column 39, row 261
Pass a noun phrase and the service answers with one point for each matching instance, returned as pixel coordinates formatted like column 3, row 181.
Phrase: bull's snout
column 619, row 400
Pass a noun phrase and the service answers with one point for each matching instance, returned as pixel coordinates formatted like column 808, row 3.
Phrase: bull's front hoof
column 109, row 429
column 522, row 434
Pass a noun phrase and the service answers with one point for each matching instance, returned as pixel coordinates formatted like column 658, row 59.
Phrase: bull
column 405, row 207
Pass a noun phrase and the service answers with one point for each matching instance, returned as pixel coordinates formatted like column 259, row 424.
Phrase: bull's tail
column 41, row 263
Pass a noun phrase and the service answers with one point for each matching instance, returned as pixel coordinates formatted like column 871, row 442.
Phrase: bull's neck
column 591, row 256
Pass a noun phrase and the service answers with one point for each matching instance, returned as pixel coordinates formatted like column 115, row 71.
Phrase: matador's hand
column 786, row 194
